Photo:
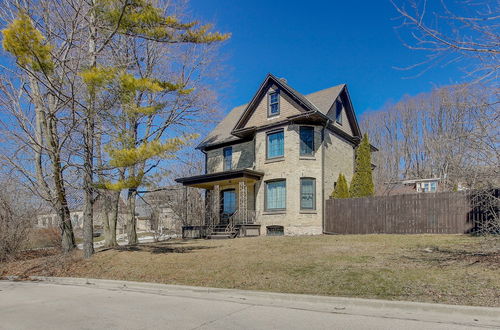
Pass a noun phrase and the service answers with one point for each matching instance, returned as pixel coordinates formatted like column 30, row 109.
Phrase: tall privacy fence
column 424, row 213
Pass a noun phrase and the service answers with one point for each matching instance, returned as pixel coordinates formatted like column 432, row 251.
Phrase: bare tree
column 451, row 133
column 67, row 87
column 177, row 112
column 17, row 211
column 38, row 97
column 454, row 31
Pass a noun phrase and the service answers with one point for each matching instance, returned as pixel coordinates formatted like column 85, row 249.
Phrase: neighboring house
column 410, row 186
column 423, row 185
column 159, row 206
column 48, row 218
column 271, row 163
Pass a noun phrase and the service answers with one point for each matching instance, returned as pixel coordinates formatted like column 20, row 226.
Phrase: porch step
column 222, row 235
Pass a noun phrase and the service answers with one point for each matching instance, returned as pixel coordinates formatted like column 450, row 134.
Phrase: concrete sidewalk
column 62, row 303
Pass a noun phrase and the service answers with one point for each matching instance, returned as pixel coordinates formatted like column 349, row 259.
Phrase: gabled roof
column 317, row 102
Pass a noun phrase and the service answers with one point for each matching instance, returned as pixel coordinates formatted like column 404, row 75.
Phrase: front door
column 228, row 205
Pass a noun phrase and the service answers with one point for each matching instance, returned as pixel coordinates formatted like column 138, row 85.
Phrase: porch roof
column 208, row 181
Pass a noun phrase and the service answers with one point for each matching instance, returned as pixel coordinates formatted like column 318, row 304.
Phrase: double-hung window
column 228, row 158
column 306, row 141
column 274, row 104
column 275, row 144
column 275, row 197
column 307, row 194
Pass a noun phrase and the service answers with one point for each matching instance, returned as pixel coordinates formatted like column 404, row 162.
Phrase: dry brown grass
column 452, row 269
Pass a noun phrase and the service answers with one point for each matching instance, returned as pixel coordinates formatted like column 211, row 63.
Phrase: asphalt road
column 40, row 305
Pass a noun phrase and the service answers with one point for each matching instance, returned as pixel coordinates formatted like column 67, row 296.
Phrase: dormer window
column 274, row 104
column 338, row 112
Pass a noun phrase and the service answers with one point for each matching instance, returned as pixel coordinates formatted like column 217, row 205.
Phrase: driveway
column 92, row 304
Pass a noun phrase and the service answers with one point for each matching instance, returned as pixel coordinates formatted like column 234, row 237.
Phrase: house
column 271, row 163
column 47, row 218
column 409, row 186
column 423, row 185
column 157, row 210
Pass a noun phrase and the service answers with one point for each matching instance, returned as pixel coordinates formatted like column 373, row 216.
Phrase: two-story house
column 271, row 163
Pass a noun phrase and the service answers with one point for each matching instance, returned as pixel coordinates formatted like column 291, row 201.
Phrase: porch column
column 216, row 204
column 242, row 202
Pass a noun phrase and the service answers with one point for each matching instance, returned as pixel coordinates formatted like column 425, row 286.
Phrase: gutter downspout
column 323, row 176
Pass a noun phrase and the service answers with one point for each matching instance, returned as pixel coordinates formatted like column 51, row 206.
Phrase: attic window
column 338, row 112
column 274, row 104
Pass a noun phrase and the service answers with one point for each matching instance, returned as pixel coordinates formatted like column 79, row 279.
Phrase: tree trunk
column 67, row 236
column 88, row 211
column 45, row 128
column 131, row 223
column 88, row 166
column 110, row 217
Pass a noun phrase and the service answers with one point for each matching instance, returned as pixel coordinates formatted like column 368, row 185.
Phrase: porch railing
column 243, row 217
column 240, row 218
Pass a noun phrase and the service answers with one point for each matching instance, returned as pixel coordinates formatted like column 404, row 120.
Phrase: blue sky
column 315, row 45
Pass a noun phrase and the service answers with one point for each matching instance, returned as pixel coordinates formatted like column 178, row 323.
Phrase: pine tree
column 341, row 189
column 362, row 180
column 145, row 95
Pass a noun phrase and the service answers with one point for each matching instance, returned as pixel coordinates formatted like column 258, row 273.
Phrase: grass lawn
column 454, row 269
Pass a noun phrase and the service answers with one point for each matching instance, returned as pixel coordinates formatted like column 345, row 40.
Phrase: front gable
column 257, row 112
column 346, row 121
column 260, row 116
column 338, row 116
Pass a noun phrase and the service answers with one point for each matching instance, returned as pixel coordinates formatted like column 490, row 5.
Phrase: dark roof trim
column 225, row 144
column 246, row 134
column 298, row 97
column 351, row 114
column 227, row 175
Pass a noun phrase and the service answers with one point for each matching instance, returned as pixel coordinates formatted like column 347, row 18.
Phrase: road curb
column 331, row 304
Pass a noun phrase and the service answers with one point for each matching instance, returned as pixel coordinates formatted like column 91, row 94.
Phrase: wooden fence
column 436, row 213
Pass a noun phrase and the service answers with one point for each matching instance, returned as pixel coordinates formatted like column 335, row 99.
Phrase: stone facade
column 246, row 128
column 339, row 158
column 243, row 157
column 332, row 155
column 291, row 167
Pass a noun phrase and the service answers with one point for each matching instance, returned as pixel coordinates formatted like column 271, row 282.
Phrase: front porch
column 229, row 204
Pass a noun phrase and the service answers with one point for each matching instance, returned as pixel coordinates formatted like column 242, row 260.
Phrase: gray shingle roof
column 322, row 100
